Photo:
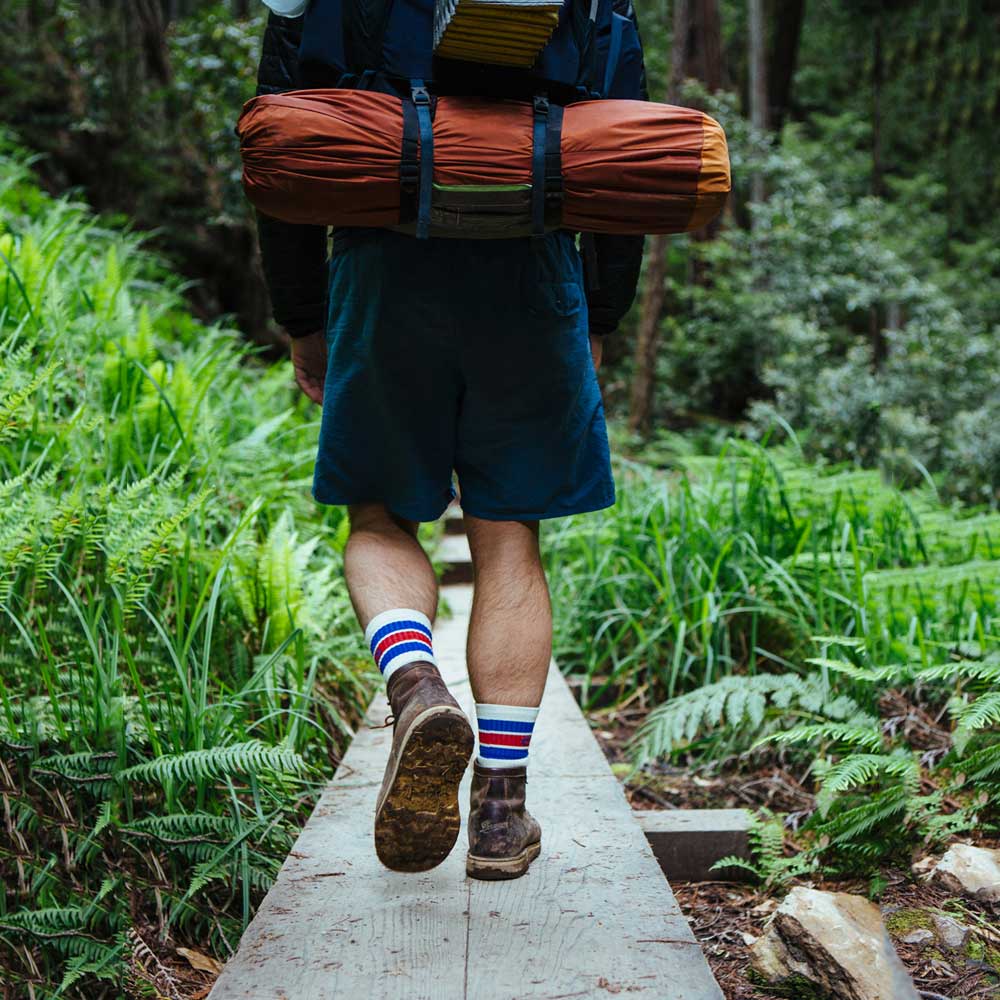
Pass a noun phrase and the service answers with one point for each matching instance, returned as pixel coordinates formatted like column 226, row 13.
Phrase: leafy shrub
column 178, row 655
column 757, row 601
column 856, row 320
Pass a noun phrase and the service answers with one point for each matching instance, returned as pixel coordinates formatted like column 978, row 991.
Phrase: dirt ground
column 727, row 917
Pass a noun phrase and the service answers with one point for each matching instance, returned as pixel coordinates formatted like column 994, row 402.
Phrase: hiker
column 429, row 356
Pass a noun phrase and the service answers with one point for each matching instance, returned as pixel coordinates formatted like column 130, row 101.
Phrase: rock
column 950, row 932
column 835, row 941
column 974, row 871
column 919, row 937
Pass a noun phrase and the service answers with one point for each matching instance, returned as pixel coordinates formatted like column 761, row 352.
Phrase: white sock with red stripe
column 504, row 734
column 398, row 637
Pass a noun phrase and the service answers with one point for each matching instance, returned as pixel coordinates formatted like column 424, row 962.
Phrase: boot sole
column 417, row 820
column 493, row 869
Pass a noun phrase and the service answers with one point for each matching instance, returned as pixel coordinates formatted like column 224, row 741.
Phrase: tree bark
column 757, row 62
column 788, row 16
column 643, row 389
column 706, row 62
column 876, row 332
column 648, row 336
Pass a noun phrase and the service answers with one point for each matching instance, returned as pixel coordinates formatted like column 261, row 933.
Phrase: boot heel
column 495, row 869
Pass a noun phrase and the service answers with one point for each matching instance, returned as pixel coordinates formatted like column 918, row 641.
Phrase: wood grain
column 593, row 917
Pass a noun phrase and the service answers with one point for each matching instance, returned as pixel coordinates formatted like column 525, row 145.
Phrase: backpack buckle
column 420, row 96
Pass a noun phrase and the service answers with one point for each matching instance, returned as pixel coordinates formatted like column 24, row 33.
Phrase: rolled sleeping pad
column 628, row 167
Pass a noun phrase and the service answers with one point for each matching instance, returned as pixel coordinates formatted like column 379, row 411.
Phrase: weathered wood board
column 593, row 917
column 688, row 842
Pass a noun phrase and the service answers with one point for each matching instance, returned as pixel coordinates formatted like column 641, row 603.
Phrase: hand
column 309, row 362
column 596, row 350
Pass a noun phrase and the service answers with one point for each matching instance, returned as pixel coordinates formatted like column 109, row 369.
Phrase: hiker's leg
column 509, row 646
column 510, row 628
column 394, row 592
column 390, row 406
column 385, row 566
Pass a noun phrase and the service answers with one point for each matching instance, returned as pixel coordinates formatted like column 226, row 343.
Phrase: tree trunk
column 876, row 334
column 705, row 61
column 788, row 16
column 758, row 82
column 696, row 51
column 643, row 389
column 647, row 342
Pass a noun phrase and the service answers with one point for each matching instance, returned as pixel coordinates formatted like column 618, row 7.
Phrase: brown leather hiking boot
column 417, row 818
column 504, row 838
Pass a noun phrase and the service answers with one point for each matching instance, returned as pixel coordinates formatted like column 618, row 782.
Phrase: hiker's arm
column 293, row 256
column 612, row 263
column 611, row 275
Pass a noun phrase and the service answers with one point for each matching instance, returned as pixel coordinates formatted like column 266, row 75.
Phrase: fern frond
column 252, row 757
column 979, row 714
column 828, row 732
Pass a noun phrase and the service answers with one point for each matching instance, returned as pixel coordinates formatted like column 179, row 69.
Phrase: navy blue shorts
column 464, row 355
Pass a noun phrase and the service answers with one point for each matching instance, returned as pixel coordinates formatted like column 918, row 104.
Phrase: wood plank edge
column 688, row 842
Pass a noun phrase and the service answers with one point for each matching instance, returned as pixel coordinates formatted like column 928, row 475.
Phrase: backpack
column 387, row 45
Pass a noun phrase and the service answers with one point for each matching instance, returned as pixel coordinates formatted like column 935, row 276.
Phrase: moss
column 975, row 950
column 795, row 987
column 908, row 919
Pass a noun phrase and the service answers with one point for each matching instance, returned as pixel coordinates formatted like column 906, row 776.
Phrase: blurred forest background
column 793, row 607
column 851, row 290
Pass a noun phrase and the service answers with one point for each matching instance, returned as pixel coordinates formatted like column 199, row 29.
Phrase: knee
column 375, row 517
column 502, row 543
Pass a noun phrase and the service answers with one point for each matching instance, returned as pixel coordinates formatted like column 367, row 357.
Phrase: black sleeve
column 611, row 276
column 294, row 257
column 612, row 263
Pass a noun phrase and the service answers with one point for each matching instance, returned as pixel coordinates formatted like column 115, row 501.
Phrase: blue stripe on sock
column 506, row 726
column 396, row 627
column 503, row 753
column 403, row 647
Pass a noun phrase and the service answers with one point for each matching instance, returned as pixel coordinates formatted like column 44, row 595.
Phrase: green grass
column 753, row 601
column 179, row 661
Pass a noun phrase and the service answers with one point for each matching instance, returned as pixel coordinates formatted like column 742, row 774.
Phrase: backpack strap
column 584, row 15
column 546, row 165
column 614, row 52
column 409, row 164
column 421, row 99
column 365, row 23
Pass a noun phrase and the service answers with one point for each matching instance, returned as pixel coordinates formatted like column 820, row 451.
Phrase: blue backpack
column 385, row 44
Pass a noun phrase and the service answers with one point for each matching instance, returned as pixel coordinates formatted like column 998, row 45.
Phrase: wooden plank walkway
column 594, row 916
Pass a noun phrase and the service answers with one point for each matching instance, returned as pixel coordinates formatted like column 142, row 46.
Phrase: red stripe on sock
column 394, row 637
column 504, row 739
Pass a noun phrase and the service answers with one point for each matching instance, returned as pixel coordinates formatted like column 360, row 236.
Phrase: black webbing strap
column 421, row 99
column 409, row 166
column 546, row 165
column 553, row 167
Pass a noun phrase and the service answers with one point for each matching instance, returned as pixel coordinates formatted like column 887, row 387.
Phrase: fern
column 975, row 716
column 251, row 757
column 846, row 734
column 852, row 827
column 741, row 707
column 768, row 861
column 980, row 766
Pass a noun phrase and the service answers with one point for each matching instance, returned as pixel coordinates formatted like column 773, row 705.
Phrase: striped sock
column 398, row 637
column 504, row 734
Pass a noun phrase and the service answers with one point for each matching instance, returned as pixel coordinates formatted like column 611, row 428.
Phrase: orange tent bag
column 629, row 167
